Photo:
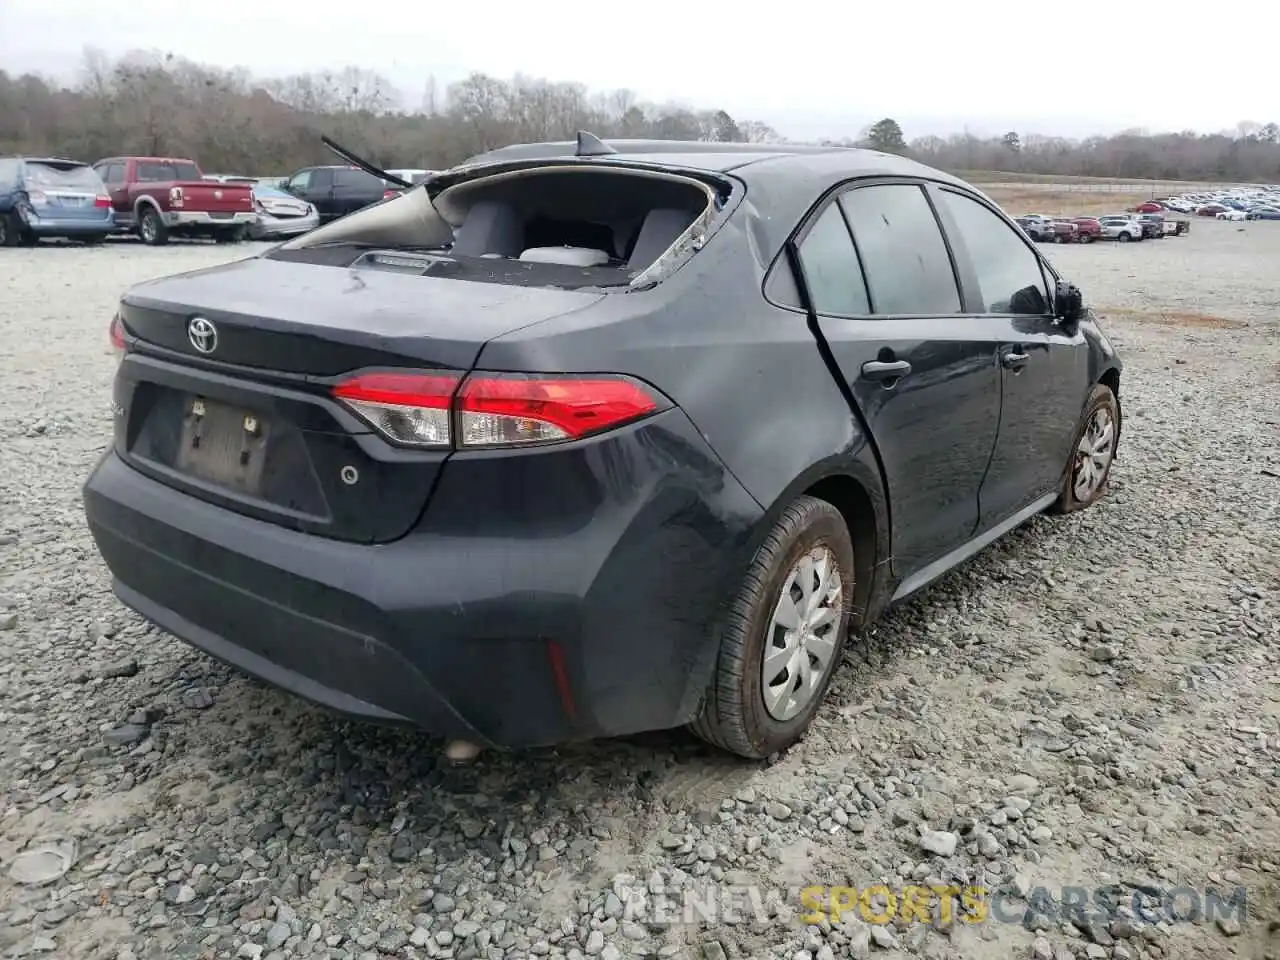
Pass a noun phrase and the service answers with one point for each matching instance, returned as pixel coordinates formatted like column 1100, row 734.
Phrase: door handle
column 885, row 369
column 1014, row 359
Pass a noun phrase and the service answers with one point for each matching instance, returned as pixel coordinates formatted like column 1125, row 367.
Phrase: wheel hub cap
column 803, row 634
column 1094, row 454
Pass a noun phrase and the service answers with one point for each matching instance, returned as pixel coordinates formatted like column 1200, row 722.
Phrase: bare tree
column 152, row 102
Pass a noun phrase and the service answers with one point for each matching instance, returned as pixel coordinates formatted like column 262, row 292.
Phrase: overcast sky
column 809, row 68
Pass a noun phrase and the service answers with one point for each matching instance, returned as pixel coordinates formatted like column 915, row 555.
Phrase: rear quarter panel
column 748, row 374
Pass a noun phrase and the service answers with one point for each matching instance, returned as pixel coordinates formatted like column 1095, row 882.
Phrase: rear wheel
column 782, row 634
column 10, row 230
column 151, row 228
column 1124, row 237
column 1085, row 479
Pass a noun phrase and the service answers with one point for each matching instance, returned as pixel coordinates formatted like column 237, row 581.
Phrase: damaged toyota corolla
column 582, row 440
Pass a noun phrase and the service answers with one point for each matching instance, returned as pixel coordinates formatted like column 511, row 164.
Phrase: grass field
column 1081, row 203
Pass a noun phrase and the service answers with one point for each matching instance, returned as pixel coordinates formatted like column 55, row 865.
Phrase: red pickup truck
column 160, row 197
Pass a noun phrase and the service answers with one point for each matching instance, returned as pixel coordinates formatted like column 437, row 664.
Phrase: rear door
column 923, row 375
column 1044, row 370
column 354, row 189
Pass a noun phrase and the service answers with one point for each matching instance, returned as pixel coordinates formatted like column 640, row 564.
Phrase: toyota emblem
column 202, row 334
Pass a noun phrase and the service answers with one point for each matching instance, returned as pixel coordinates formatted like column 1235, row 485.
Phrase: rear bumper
column 269, row 226
column 202, row 218
column 536, row 627
column 67, row 227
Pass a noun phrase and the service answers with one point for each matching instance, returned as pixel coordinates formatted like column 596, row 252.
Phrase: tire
column 1124, row 237
column 734, row 715
column 1074, row 495
column 151, row 228
column 9, row 230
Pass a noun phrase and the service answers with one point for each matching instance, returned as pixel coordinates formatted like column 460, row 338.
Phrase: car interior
column 575, row 218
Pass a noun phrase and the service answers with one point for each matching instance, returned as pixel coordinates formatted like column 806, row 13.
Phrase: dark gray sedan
column 583, row 440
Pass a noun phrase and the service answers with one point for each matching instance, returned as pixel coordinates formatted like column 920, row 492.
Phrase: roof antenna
column 589, row 145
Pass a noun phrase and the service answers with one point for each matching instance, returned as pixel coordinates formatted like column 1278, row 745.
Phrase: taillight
column 407, row 408
column 505, row 409
column 493, row 409
column 116, row 333
column 175, row 196
column 101, row 202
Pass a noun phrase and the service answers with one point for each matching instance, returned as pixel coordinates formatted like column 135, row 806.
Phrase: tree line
column 1248, row 154
column 148, row 103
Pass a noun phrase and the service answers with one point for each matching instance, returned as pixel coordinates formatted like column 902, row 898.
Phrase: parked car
column 1232, row 214
column 1123, row 228
column 1264, row 213
column 281, row 214
column 1088, row 229
column 161, row 197
column 1152, row 225
column 1211, row 209
column 1037, row 228
column 45, row 197
column 481, row 459
column 336, row 191
column 1150, row 206
column 1064, row 231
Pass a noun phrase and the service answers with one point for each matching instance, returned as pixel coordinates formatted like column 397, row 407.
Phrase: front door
column 924, row 377
column 1044, row 369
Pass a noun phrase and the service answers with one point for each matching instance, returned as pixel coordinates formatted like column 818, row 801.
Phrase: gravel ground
column 1095, row 700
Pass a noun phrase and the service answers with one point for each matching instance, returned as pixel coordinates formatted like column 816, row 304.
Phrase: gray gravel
column 1095, row 700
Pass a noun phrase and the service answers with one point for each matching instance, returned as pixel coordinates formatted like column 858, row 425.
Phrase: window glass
column 161, row 171
column 1009, row 273
column 356, row 179
column 62, row 177
column 831, row 268
column 907, row 267
column 8, row 171
column 301, row 181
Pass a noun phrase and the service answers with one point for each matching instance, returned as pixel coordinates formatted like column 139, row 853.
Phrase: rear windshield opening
column 602, row 220
column 556, row 226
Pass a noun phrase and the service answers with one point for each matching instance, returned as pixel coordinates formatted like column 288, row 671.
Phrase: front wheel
column 1088, row 472
column 782, row 634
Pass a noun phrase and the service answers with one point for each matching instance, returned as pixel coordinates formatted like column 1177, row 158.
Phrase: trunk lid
column 215, row 197
column 250, row 425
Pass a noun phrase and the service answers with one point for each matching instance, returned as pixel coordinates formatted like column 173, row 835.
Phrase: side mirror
column 1068, row 304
